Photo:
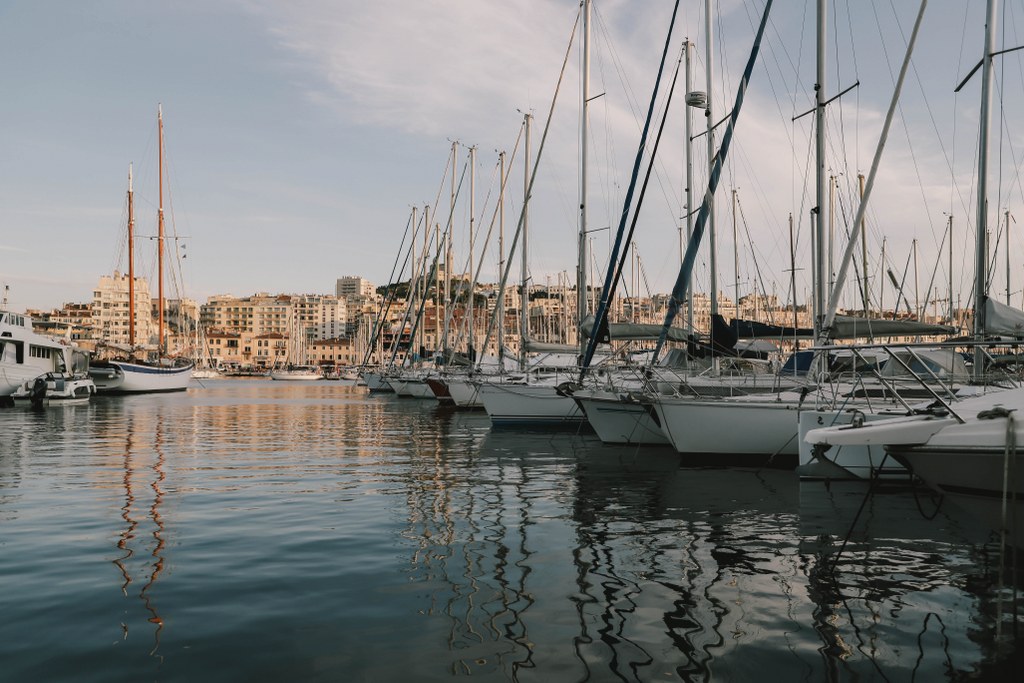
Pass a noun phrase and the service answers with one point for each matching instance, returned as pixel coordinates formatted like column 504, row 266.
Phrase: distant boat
column 39, row 368
column 133, row 375
column 296, row 373
column 206, row 373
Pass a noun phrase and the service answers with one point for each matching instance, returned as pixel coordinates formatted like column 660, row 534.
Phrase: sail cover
column 1002, row 319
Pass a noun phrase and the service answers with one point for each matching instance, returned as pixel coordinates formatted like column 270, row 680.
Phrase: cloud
column 420, row 67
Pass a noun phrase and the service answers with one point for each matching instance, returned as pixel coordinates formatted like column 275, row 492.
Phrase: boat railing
column 941, row 387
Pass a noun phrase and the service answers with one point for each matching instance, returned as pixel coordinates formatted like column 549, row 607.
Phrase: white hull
column 732, row 431
column 856, row 461
column 122, row 377
column 529, row 405
column 418, row 388
column 25, row 355
column 619, row 421
column 465, row 393
column 376, row 381
column 292, row 376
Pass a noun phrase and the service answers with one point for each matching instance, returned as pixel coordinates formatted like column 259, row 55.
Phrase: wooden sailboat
column 131, row 375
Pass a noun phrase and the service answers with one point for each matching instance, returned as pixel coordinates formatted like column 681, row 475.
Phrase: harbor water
column 250, row 530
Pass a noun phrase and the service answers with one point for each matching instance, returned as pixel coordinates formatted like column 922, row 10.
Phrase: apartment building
column 110, row 311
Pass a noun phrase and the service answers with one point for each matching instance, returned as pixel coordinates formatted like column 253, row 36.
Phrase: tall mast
column 472, row 245
column 581, row 273
column 688, row 47
column 819, row 125
column 421, row 275
column 735, row 258
column 448, row 250
column 709, row 59
column 524, row 295
column 951, row 308
column 160, row 230
column 501, row 265
column 414, row 284
column 864, row 249
column 981, row 255
column 131, row 262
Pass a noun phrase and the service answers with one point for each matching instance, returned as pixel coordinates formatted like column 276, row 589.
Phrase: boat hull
column 845, row 458
column 618, row 420
column 530, row 405
column 55, row 389
column 376, row 382
column 122, row 377
column 723, row 432
column 465, row 393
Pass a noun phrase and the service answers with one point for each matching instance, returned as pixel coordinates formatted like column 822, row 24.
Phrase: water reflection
column 319, row 533
column 881, row 573
column 151, row 478
column 469, row 513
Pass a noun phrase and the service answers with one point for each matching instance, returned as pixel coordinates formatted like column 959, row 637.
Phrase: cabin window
column 18, row 351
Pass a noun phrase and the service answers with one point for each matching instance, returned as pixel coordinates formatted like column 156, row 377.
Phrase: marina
column 248, row 529
column 563, row 439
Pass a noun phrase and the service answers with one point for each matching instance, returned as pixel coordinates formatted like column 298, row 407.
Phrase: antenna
column 7, row 289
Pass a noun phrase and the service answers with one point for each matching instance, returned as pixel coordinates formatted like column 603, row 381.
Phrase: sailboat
column 297, row 368
column 132, row 375
column 967, row 450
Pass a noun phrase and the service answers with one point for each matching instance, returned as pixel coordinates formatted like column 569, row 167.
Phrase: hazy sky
column 300, row 134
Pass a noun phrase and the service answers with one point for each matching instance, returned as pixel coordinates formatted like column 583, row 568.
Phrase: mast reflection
column 128, row 543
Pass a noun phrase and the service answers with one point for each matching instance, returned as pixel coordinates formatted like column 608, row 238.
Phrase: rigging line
column 600, row 318
column 902, row 117
column 536, row 164
column 385, row 305
column 686, row 269
column 490, row 229
column 753, row 256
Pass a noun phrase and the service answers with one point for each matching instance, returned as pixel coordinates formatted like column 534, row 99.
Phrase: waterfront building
column 110, row 311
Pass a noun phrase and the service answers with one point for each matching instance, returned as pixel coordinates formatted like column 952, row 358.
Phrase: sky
column 300, row 135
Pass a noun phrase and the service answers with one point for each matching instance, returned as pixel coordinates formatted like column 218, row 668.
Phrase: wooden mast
column 160, row 231
column 131, row 263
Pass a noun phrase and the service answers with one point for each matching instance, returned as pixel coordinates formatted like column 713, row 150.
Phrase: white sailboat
column 131, row 375
column 534, row 398
column 967, row 450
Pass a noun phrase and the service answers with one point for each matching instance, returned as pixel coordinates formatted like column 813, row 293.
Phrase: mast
column 687, row 47
column 422, row 275
column 792, row 282
column 1007, row 257
column 917, row 283
column 160, row 231
column 819, row 226
column 131, row 263
column 414, row 285
column 501, row 264
column 981, row 253
column 951, row 309
column 735, row 259
column 864, row 249
column 581, row 268
column 709, row 59
column 524, row 295
column 448, row 255
column 437, row 286
column 472, row 245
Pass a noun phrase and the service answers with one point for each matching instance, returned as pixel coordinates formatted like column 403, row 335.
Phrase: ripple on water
column 255, row 530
